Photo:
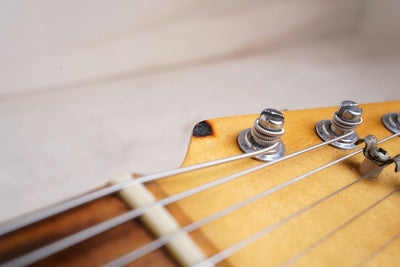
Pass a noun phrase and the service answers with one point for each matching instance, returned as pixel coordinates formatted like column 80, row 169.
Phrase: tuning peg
column 344, row 121
column 392, row 122
column 266, row 133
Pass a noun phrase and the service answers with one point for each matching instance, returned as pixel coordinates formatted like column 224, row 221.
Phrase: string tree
column 375, row 158
column 392, row 122
column 345, row 120
column 265, row 133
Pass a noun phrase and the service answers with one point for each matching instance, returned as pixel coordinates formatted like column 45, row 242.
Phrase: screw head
column 379, row 154
column 349, row 111
column 272, row 119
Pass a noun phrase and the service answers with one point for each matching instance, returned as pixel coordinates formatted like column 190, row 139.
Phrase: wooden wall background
column 90, row 89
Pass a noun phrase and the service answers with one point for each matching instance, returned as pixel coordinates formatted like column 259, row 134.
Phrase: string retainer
column 344, row 121
column 265, row 133
column 375, row 158
column 392, row 122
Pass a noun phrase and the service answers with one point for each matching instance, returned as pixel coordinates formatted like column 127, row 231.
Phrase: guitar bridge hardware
column 345, row 120
column 392, row 122
column 266, row 133
column 375, row 157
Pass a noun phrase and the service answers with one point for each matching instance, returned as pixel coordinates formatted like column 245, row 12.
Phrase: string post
column 343, row 121
column 375, row 157
column 392, row 122
column 265, row 133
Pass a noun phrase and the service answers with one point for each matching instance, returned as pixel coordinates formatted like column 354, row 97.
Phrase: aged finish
column 202, row 129
column 360, row 238
column 347, row 246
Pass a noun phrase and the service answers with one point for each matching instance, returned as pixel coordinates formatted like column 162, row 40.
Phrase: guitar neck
column 95, row 251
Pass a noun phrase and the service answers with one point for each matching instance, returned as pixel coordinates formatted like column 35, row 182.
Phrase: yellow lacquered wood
column 348, row 247
column 387, row 255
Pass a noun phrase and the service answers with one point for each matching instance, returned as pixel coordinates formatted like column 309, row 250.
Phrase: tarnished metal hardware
column 345, row 120
column 266, row 133
column 392, row 122
column 375, row 157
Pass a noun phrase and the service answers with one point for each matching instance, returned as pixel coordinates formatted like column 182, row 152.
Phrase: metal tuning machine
column 392, row 122
column 266, row 133
column 345, row 120
column 375, row 158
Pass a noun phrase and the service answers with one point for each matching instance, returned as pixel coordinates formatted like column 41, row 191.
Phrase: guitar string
column 78, row 237
column 42, row 214
column 83, row 235
column 378, row 251
column 249, row 240
column 136, row 254
column 319, row 242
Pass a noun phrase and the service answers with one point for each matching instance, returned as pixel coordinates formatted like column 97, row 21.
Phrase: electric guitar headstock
column 307, row 187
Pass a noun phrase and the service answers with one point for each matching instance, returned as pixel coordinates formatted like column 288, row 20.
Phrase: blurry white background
column 92, row 89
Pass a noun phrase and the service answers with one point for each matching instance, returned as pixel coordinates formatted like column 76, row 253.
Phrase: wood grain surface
column 347, row 247
column 340, row 231
column 95, row 251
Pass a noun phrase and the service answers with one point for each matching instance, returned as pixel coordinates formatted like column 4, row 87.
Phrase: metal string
column 85, row 234
column 306, row 251
column 71, row 240
column 248, row 241
column 136, row 254
column 75, row 202
column 378, row 251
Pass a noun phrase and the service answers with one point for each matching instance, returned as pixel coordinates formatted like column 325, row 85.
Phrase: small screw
column 272, row 119
column 379, row 154
column 349, row 111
